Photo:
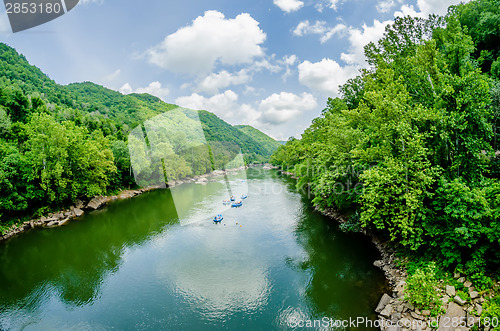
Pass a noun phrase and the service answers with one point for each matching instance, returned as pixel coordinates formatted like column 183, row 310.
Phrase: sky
column 271, row 64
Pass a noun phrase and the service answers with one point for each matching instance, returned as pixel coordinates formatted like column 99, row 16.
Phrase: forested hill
column 59, row 143
column 268, row 144
column 410, row 149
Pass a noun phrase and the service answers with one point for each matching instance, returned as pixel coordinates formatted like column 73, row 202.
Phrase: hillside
column 267, row 143
column 59, row 143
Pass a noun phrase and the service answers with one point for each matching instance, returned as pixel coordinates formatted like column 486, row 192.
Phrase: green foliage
column 491, row 311
column 59, row 143
column 412, row 144
column 421, row 289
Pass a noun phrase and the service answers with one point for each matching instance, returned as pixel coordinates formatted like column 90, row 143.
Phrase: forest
column 62, row 143
column 409, row 150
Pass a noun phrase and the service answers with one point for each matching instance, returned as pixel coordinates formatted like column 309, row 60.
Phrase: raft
column 226, row 202
column 237, row 204
column 244, row 196
column 218, row 218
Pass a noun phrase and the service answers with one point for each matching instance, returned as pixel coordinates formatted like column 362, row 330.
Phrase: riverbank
column 80, row 207
column 461, row 304
column 394, row 310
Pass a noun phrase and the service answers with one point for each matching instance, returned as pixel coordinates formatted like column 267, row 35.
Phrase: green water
column 137, row 265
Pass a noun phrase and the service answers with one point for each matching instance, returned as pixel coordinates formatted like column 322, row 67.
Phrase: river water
column 157, row 261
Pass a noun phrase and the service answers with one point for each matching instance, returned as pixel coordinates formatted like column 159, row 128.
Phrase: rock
column 454, row 312
column 456, row 275
column 461, row 280
column 474, row 294
column 400, row 288
column 479, row 309
column 78, row 212
column 79, row 204
column 426, row 312
column 203, row 180
column 64, row 221
column 387, row 311
column 450, row 290
column 416, row 316
column 96, row 203
column 459, row 300
column 384, row 301
column 52, row 224
column 378, row 263
column 467, row 284
column 409, row 306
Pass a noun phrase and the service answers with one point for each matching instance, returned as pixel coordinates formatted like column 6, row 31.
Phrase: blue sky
column 268, row 63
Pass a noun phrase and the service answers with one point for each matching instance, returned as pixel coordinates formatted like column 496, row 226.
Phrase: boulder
column 64, row 221
column 52, row 224
column 467, row 284
column 387, row 311
column 461, row 280
column 479, row 309
column 450, row 290
column 78, row 212
column 459, row 300
column 474, row 294
column 378, row 263
column 96, row 203
column 416, row 316
column 426, row 312
column 456, row 275
column 384, row 301
column 79, row 204
column 454, row 312
column 400, row 288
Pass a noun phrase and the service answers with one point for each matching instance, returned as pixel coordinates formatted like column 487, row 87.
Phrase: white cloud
column 289, row 5
column 359, row 38
column 214, row 82
column 223, row 104
column 426, row 7
column 288, row 61
column 274, row 110
column 266, row 64
column 384, row 6
column 281, row 108
column 320, row 28
column 4, row 23
column 112, row 76
column 155, row 88
column 325, row 76
column 211, row 38
column 335, row 3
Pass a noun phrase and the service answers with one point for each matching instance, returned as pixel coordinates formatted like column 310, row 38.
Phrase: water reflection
column 74, row 260
column 135, row 265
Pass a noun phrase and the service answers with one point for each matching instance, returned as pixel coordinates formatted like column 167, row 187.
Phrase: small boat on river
column 237, row 204
column 218, row 218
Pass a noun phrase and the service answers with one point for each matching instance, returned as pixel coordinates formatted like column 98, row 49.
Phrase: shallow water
column 158, row 261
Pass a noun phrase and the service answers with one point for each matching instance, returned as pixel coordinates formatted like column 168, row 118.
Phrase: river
column 157, row 261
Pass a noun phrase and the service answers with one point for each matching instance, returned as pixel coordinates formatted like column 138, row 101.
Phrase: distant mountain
column 116, row 114
column 268, row 144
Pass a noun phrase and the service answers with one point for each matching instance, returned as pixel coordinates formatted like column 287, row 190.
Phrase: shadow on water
column 134, row 264
column 76, row 261
column 343, row 282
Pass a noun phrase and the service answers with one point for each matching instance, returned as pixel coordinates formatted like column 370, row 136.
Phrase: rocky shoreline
column 61, row 218
column 396, row 313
